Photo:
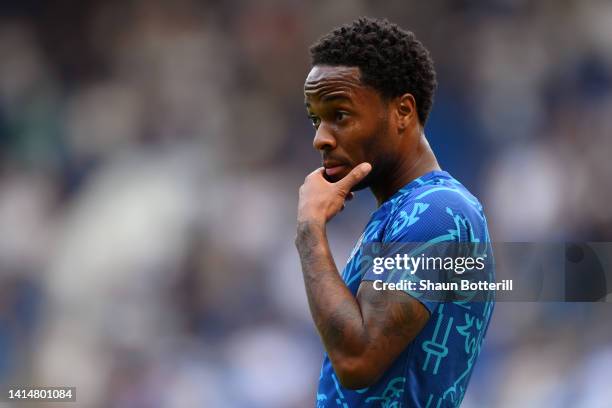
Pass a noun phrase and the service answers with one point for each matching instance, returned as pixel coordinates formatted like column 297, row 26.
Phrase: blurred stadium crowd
column 150, row 155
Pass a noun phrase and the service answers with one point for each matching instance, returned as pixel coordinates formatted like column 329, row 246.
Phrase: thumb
column 357, row 174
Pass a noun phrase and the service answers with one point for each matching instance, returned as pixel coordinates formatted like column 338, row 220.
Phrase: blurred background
column 150, row 156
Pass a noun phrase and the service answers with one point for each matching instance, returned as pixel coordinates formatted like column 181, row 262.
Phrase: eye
column 315, row 121
column 340, row 116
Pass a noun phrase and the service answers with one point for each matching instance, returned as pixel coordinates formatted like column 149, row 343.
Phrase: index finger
column 318, row 170
column 357, row 174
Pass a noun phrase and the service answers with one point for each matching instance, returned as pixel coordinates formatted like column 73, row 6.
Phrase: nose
column 323, row 139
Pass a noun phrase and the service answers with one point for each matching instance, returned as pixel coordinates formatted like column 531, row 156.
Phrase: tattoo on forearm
column 334, row 309
column 385, row 323
column 341, row 323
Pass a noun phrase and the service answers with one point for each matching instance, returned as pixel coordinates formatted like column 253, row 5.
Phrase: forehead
column 333, row 81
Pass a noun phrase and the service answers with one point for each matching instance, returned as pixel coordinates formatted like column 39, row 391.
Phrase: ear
column 405, row 110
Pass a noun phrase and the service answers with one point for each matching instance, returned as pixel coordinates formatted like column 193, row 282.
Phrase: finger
column 357, row 174
column 350, row 196
column 320, row 170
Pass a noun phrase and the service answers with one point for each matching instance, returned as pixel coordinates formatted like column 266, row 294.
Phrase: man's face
column 351, row 122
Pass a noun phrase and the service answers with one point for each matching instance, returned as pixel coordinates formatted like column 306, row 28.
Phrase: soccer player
column 368, row 94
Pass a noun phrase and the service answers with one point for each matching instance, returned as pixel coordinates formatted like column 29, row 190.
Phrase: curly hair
column 391, row 60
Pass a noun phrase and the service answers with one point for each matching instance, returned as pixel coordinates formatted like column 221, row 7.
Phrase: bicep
column 392, row 320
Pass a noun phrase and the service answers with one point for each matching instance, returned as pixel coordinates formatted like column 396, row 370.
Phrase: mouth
column 332, row 171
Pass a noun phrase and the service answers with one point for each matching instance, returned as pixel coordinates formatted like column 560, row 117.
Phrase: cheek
column 377, row 141
column 364, row 141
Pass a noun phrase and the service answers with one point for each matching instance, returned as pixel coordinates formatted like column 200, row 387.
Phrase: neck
column 419, row 161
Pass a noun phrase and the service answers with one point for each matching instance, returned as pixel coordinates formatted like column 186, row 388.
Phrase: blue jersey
column 434, row 369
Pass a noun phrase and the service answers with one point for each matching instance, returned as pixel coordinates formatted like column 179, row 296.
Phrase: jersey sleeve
column 420, row 236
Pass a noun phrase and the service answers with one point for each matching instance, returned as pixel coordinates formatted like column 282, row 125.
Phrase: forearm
column 334, row 309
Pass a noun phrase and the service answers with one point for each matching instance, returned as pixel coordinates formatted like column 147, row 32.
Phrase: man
column 368, row 94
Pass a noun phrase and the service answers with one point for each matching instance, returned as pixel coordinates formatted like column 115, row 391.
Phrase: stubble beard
column 377, row 173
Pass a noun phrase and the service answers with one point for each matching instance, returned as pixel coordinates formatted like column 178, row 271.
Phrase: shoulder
column 435, row 207
column 439, row 193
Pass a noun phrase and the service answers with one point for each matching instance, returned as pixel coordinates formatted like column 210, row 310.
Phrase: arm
column 362, row 335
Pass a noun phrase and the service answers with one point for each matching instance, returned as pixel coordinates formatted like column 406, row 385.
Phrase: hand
column 321, row 200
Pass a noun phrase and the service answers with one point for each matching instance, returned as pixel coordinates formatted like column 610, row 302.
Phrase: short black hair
column 391, row 60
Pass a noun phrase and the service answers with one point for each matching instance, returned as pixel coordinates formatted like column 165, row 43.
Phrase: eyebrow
column 331, row 98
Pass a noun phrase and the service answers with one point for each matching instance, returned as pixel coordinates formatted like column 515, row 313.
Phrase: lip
column 329, row 163
column 334, row 167
column 334, row 170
